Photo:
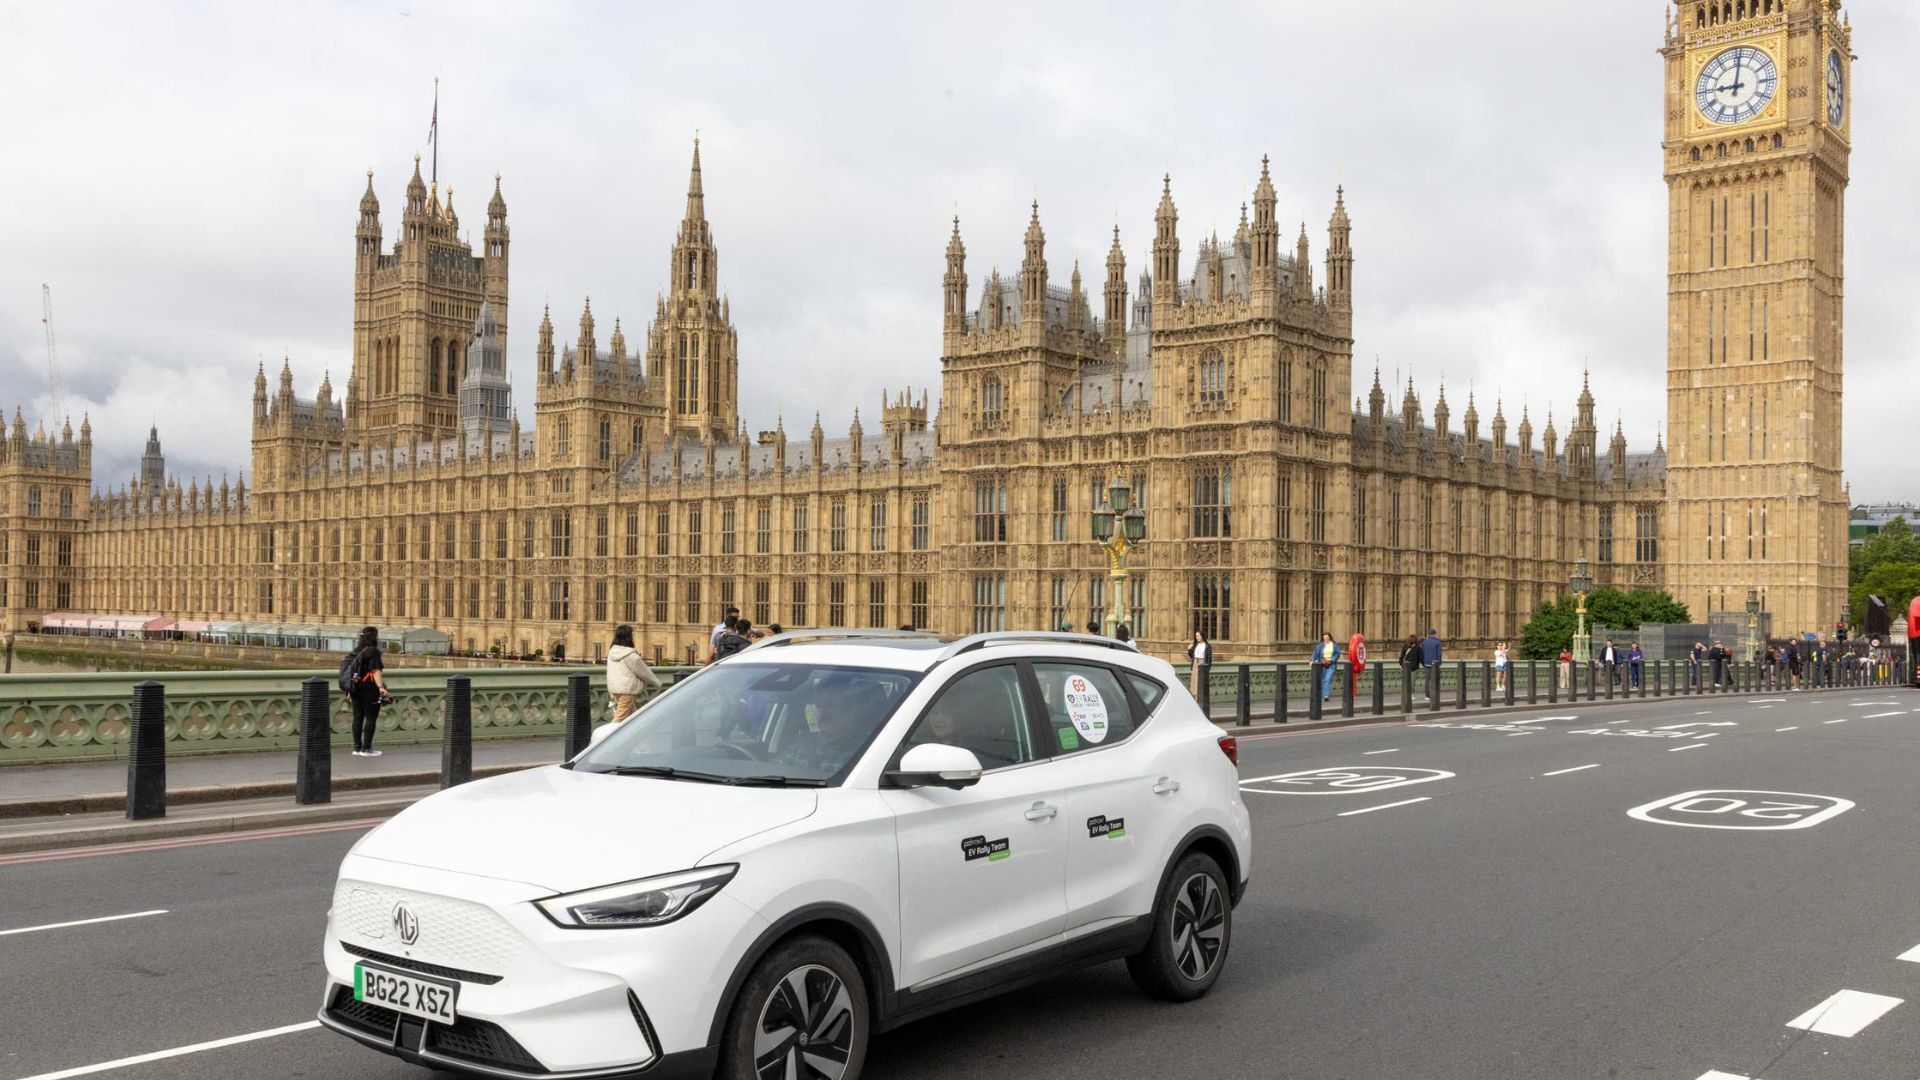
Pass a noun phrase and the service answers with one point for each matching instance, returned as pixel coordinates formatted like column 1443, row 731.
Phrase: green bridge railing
column 81, row 717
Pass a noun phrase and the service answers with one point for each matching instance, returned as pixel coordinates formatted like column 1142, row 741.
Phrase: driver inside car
column 842, row 718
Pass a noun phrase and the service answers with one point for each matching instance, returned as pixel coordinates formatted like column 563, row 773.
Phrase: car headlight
column 647, row 902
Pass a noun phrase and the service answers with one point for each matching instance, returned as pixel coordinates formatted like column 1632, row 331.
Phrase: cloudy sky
column 186, row 177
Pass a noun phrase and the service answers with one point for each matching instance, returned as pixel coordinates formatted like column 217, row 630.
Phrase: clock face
column 1836, row 89
column 1736, row 85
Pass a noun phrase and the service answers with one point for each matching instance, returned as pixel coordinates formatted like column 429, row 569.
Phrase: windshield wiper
column 775, row 781
column 667, row 772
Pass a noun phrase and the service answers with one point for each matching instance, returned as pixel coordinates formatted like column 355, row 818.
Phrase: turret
column 366, row 235
column 1033, row 275
column 1166, row 247
column 1472, row 419
column 954, row 284
column 1550, row 443
column 1499, row 430
column 1377, row 401
column 1076, row 302
column 1115, row 297
column 1302, row 268
column 414, row 218
column 153, row 464
column 1265, row 236
column 856, row 439
column 494, row 252
column 1526, row 433
column 818, row 438
column 1584, row 437
column 1441, row 414
column 1410, row 413
column 544, row 353
column 587, row 347
column 260, row 395
column 1617, row 454
column 1339, row 255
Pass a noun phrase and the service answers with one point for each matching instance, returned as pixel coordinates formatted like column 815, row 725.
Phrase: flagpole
column 433, row 130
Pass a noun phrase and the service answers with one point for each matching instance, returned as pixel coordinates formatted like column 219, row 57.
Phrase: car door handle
column 1042, row 812
column 1166, row 785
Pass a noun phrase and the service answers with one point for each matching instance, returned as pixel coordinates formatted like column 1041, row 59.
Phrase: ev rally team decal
column 979, row 847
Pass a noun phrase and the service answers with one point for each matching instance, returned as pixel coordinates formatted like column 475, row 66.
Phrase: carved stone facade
column 1278, row 503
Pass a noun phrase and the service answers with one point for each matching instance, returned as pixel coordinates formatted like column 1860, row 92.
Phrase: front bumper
column 534, row 1000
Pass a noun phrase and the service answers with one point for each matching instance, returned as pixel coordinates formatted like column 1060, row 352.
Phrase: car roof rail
column 1007, row 637
column 792, row 637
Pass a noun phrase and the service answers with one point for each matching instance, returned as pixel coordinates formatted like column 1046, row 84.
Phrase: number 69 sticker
column 1742, row 810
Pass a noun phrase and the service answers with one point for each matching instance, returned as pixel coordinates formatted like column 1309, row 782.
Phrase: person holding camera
column 369, row 691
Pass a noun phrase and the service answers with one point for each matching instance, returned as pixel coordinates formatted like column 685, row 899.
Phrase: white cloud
column 186, row 178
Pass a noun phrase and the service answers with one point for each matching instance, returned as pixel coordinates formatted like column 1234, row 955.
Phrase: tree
column 1894, row 543
column 1552, row 627
column 1895, row 582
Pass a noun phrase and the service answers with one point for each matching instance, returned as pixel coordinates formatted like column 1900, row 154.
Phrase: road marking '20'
column 1348, row 780
column 1717, row 809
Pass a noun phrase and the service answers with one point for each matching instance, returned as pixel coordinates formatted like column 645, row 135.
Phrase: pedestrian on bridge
column 627, row 673
column 369, row 692
column 1326, row 657
column 1200, row 655
column 1500, row 655
column 1635, row 660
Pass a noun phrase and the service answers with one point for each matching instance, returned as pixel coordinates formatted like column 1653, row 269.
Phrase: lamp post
column 1581, row 583
column 1118, row 528
column 1753, row 623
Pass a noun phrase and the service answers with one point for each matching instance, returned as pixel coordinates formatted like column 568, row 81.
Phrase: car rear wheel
column 801, row 1015
column 1192, row 928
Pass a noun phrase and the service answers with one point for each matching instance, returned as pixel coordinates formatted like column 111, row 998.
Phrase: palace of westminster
column 1220, row 385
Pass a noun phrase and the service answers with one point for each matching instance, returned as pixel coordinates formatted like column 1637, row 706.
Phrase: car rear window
column 1086, row 707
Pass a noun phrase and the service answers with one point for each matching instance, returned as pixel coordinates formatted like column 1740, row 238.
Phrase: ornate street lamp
column 1753, row 623
column 1581, row 583
column 1118, row 528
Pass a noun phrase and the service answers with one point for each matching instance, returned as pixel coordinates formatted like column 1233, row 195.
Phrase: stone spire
column 1302, row 268
column 1033, row 273
column 954, row 284
column 1525, row 431
column 1115, row 299
column 1472, row 419
column 153, row 464
column 1377, row 398
column 1265, row 234
column 1339, row 255
column 1441, row 414
column 1410, row 412
column 1499, row 425
column 544, row 352
column 1166, row 246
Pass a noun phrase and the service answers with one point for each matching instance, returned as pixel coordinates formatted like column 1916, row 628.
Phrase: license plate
column 404, row 992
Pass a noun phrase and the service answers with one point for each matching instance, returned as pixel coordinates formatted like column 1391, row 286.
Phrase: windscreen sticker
column 1069, row 739
column 979, row 847
column 1101, row 825
column 1086, row 708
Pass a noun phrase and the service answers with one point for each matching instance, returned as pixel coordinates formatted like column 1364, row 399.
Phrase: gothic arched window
column 1213, row 378
column 991, row 400
column 1285, row 390
column 453, row 367
column 433, row 367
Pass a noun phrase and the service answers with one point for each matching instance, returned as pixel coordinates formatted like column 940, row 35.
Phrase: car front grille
column 453, row 933
column 420, row 966
column 482, row 1043
column 466, row 1039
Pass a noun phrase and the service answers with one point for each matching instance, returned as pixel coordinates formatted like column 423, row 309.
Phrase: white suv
column 824, row 836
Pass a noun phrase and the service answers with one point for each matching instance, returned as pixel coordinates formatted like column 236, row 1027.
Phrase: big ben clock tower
column 1757, row 124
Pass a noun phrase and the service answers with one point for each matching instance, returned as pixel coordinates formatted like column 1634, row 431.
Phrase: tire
column 807, row 978
column 1192, row 929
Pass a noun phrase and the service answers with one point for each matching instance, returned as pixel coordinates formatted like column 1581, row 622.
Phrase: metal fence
column 69, row 717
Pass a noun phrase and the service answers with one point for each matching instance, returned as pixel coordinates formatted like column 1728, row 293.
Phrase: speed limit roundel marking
column 1744, row 810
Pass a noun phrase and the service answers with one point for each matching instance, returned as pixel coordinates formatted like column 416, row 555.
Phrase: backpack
column 350, row 672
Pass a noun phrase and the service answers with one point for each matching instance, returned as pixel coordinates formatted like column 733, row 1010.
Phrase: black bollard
column 1613, row 676
column 456, row 733
column 579, row 714
column 1314, row 704
column 1433, row 687
column 1406, row 690
column 1243, row 696
column 1346, row 678
column 1280, row 703
column 1486, row 684
column 1533, row 682
column 1379, row 689
column 1511, row 676
column 1460, row 691
column 147, row 753
column 313, row 772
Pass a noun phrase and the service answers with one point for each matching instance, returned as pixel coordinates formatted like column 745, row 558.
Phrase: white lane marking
column 1795, row 727
column 1912, row 954
column 1689, row 746
column 1845, row 1014
column 1369, row 753
column 1878, row 715
column 1544, row 719
column 1766, row 706
column 1386, row 806
column 1617, row 721
column 83, row 922
column 178, row 1051
column 1511, row 734
column 1864, row 704
column 1765, row 700
column 1697, row 723
column 1576, row 768
column 1716, row 1074
column 1704, row 712
column 1842, row 720
column 1709, row 735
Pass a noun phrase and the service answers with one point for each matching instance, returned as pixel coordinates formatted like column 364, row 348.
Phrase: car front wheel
column 801, row 1015
column 1192, row 928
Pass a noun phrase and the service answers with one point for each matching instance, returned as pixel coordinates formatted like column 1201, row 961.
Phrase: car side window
column 1086, row 706
column 985, row 711
column 1147, row 690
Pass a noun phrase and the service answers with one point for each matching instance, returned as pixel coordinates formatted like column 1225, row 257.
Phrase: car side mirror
column 936, row 765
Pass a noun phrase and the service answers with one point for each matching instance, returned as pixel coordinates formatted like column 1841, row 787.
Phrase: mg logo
column 406, row 925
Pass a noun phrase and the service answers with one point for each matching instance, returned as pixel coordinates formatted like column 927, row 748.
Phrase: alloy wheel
column 1199, row 925
column 806, row 1027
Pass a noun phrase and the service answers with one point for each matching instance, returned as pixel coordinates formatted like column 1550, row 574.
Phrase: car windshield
column 748, row 723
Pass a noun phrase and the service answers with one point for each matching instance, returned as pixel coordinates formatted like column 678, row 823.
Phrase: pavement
column 1520, row 897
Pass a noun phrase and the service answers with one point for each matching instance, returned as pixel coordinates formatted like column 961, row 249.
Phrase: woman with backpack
column 368, row 679
column 627, row 673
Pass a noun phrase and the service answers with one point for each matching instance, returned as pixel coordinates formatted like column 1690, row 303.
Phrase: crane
column 53, row 361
